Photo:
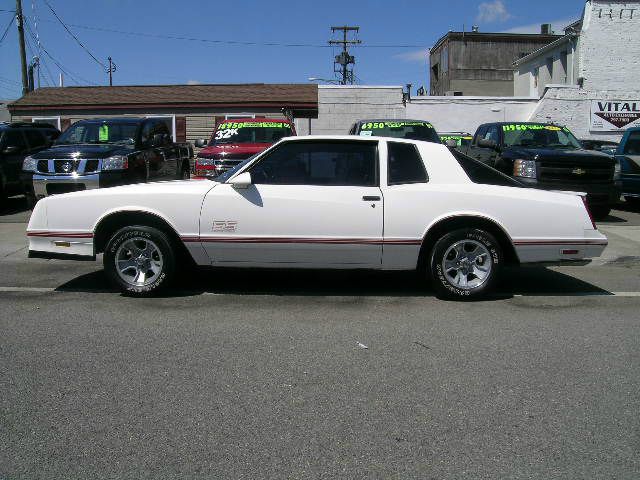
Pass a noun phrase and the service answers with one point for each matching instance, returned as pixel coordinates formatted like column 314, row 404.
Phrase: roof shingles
column 287, row 95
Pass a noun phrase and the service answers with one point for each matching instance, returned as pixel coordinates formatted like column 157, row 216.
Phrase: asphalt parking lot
column 260, row 374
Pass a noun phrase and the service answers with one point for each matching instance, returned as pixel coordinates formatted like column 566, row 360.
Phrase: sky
column 249, row 41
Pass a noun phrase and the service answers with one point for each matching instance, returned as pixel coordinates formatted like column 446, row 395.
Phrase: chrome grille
column 67, row 166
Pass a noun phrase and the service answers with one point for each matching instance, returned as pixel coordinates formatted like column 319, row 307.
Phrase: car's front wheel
column 139, row 260
column 465, row 263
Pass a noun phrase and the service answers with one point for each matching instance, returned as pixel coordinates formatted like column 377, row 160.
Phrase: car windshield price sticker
column 103, row 133
column 229, row 129
column 516, row 126
column 379, row 125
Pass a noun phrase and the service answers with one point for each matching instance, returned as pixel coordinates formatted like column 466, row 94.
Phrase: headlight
column 617, row 171
column 117, row 162
column 524, row 168
column 29, row 164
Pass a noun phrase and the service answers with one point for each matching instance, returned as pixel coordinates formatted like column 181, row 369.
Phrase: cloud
column 491, row 12
column 194, row 82
column 417, row 56
column 556, row 25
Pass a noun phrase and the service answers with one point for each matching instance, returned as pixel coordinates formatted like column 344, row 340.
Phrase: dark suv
column 17, row 141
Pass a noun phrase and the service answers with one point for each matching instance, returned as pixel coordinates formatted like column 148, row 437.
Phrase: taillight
column 586, row 206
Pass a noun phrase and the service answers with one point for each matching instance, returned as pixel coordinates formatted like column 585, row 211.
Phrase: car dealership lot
column 246, row 374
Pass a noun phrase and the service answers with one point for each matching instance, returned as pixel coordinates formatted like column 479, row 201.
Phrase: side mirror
column 451, row 143
column 200, row 143
column 488, row 143
column 157, row 140
column 11, row 149
column 241, row 181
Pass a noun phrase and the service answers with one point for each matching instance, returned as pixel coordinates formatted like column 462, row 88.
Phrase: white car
column 324, row 202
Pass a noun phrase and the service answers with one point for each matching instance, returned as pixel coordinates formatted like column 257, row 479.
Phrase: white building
column 588, row 79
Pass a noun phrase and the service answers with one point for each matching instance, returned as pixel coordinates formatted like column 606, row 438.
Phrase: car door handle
column 371, row 198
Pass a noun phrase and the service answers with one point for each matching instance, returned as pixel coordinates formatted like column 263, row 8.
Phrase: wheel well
column 115, row 221
column 453, row 223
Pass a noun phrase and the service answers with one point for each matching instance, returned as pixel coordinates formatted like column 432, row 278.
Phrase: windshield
column 250, row 132
column 539, row 135
column 99, row 133
column 411, row 130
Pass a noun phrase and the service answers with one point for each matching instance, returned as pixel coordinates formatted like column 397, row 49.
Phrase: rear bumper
column 560, row 251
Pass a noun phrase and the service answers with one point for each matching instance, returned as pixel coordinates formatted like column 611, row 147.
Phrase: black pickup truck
column 549, row 157
column 106, row 152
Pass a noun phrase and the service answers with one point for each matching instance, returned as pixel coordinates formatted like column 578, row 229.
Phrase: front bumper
column 41, row 186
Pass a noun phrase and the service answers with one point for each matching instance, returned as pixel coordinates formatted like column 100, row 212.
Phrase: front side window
column 632, row 145
column 404, row 164
column 319, row 163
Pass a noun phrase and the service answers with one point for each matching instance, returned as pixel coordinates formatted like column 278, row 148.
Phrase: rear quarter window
column 404, row 164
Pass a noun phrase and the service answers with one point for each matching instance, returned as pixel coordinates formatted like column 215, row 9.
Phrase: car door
column 630, row 163
column 311, row 203
column 14, row 151
column 169, row 151
column 153, row 154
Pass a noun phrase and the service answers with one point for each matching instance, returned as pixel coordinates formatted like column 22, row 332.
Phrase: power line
column 73, row 35
column 7, row 29
column 229, row 42
column 64, row 70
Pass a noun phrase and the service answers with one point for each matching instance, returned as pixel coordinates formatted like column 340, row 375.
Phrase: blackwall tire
column 465, row 264
column 140, row 260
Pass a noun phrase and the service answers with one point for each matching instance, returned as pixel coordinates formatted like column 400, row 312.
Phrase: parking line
column 26, row 289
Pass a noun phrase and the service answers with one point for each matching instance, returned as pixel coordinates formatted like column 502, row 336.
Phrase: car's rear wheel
column 139, row 260
column 465, row 263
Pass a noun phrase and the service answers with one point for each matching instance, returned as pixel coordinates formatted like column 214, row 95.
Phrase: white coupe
column 323, row 202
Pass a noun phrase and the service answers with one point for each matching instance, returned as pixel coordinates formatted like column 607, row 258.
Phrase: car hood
column 234, row 151
column 541, row 154
column 83, row 151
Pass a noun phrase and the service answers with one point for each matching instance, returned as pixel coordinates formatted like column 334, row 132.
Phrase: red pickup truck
column 235, row 140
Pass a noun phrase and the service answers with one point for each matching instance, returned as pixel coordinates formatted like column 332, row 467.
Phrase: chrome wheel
column 467, row 264
column 138, row 261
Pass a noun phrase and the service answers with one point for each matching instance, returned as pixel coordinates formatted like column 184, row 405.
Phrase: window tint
column 492, row 134
column 480, row 134
column 480, row 173
column 14, row 138
column 319, row 163
column 404, row 164
column 36, row 139
column 632, row 145
column 145, row 135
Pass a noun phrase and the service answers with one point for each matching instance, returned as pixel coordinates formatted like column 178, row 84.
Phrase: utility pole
column 112, row 68
column 23, row 54
column 344, row 59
